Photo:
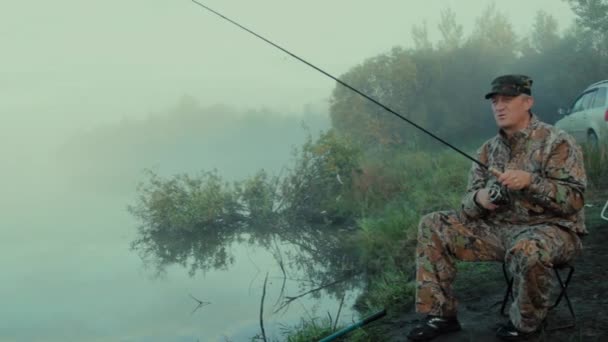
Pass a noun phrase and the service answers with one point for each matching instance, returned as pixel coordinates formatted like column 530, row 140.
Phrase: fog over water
column 75, row 74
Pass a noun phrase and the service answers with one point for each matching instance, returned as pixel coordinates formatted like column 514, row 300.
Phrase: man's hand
column 482, row 197
column 515, row 179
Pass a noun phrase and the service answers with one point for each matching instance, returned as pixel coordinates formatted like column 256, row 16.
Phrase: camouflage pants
column 528, row 251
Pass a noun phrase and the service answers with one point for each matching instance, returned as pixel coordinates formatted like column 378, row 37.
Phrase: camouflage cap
column 511, row 85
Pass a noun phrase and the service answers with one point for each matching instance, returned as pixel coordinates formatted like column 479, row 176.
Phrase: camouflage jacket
column 555, row 194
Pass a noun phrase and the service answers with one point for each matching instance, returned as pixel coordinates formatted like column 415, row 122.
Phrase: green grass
column 596, row 166
column 386, row 238
column 393, row 289
column 399, row 189
column 308, row 330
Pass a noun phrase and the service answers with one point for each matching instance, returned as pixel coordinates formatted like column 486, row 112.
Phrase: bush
column 318, row 188
column 187, row 220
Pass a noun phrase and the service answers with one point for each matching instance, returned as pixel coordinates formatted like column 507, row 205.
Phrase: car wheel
column 592, row 140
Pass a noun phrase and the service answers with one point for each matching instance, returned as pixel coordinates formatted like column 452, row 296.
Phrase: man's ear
column 529, row 102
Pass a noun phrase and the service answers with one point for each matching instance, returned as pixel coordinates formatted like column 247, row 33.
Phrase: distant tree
column 451, row 32
column 592, row 14
column 494, row 33
column 442, row 88
column 420, row 35
column 457, row 108
column 544, row 36
column 592, row 18
column 389, row 78
column 439, row 89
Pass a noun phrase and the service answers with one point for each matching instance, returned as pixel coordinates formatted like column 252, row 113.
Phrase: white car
column 587, row 119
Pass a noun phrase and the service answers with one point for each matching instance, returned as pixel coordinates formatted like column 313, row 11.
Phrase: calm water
column 68, row 275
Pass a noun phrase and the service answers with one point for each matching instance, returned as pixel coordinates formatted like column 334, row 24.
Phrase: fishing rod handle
column 495, row 172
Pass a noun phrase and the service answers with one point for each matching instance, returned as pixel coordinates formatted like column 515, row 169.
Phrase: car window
column 578, row 104
column 600, row 98
column 583, row 102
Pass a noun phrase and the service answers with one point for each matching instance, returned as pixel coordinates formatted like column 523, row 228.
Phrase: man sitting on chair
column 533, row 225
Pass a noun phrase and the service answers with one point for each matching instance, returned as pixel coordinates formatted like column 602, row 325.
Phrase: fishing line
column 348, row 86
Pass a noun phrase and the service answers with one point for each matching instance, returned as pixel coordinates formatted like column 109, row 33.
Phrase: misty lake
column 86, row 106
column 68, row 274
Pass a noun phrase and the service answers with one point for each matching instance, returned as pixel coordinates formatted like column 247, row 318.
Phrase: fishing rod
column 484, row 166
column 496, row 195
column 354, row 326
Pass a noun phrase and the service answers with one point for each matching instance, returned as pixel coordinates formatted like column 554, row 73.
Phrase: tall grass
column 392, row 192
column 596, row 166
column 308, row 330
column 400, row 188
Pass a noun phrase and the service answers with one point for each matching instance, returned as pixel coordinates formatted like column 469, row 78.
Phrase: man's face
column 511, row 112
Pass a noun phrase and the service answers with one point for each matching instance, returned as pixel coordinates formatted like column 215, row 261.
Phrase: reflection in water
column 190, row 220
column 69, row 275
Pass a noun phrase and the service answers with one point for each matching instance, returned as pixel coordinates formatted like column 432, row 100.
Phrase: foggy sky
column 67, row 65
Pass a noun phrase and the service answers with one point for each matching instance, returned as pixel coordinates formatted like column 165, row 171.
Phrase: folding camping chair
column 562, row 294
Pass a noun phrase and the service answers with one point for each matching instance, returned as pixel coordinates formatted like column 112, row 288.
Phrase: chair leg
column 564, row 294
column 509, row 291
column 563, row 286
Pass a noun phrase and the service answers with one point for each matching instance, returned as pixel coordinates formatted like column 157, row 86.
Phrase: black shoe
column 509, row 332
column 433, row 326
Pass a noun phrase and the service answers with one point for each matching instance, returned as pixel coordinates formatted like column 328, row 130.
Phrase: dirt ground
column 480, row 295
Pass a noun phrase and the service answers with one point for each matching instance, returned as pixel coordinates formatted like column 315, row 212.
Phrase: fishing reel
column 499, row 194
